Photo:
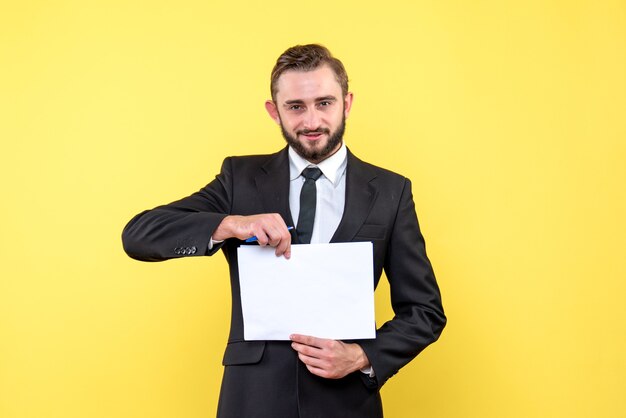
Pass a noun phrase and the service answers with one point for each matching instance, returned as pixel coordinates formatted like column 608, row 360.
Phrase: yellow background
column 509, row 117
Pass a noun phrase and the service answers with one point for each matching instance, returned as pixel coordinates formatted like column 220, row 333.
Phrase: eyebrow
column 318, row 99
column 326, row 99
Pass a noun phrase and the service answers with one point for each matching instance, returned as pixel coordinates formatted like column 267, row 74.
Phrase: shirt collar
column 332, row 167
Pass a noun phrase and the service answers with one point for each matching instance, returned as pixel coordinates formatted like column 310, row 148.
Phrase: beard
column 316, row 155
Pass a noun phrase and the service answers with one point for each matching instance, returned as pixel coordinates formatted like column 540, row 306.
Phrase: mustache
column 313, row 131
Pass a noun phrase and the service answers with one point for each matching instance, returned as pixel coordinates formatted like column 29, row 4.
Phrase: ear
column 272, row 110
column 347, row 103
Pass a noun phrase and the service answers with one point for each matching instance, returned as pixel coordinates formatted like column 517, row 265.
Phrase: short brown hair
column 307, row 58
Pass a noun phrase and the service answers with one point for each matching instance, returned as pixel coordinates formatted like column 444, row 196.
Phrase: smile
column 313, row 135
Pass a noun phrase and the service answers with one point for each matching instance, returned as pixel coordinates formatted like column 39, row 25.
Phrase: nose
column 312, row 119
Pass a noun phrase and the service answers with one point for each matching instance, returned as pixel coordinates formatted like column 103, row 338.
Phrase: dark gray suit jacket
column 379, row 208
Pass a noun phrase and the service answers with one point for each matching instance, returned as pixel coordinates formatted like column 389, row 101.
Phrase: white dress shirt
column 331, row 192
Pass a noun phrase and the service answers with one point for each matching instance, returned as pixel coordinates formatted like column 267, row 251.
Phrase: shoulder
column 255, row 162
column 257, row 159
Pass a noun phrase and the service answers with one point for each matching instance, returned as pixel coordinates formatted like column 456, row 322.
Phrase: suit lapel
column 273, row 186
column 361, row 194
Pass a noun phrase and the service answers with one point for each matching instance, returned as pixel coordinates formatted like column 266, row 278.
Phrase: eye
column 324, row 103
column 295, row 107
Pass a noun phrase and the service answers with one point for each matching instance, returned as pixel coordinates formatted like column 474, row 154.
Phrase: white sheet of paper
column 323, row 290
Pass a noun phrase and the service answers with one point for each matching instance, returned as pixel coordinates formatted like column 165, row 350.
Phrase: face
column 311, row 111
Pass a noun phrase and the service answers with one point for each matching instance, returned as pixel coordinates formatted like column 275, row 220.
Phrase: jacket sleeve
column 181, row 228
column 415, row 298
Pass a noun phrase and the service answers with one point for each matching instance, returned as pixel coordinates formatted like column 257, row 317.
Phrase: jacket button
column 193, row 250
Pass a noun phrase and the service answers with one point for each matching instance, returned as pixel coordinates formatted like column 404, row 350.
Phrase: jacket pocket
column 243, row 352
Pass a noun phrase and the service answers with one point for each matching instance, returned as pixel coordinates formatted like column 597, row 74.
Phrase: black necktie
column 308, row 198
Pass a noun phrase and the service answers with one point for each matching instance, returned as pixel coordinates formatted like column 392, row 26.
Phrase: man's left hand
column 331, row 359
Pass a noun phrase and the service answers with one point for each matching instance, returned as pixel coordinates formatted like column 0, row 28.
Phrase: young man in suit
column 317, row 184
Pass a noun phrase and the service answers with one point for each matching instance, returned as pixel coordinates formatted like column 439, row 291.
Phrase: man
column 342, row 199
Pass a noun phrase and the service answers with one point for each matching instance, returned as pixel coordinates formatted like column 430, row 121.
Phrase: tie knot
column 311, row 173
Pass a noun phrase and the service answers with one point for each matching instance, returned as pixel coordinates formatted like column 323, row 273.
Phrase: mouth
column 313, row 135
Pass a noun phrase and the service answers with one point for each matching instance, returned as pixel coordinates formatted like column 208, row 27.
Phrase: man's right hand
column 269, row 228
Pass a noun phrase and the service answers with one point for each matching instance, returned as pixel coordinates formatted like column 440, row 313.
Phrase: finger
column 274, row 239
column 313, row 362
column 279, row 250
column 308, row 340
column 307, row 350
column 284, row 246
column 262, row 238
column 274, row 228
